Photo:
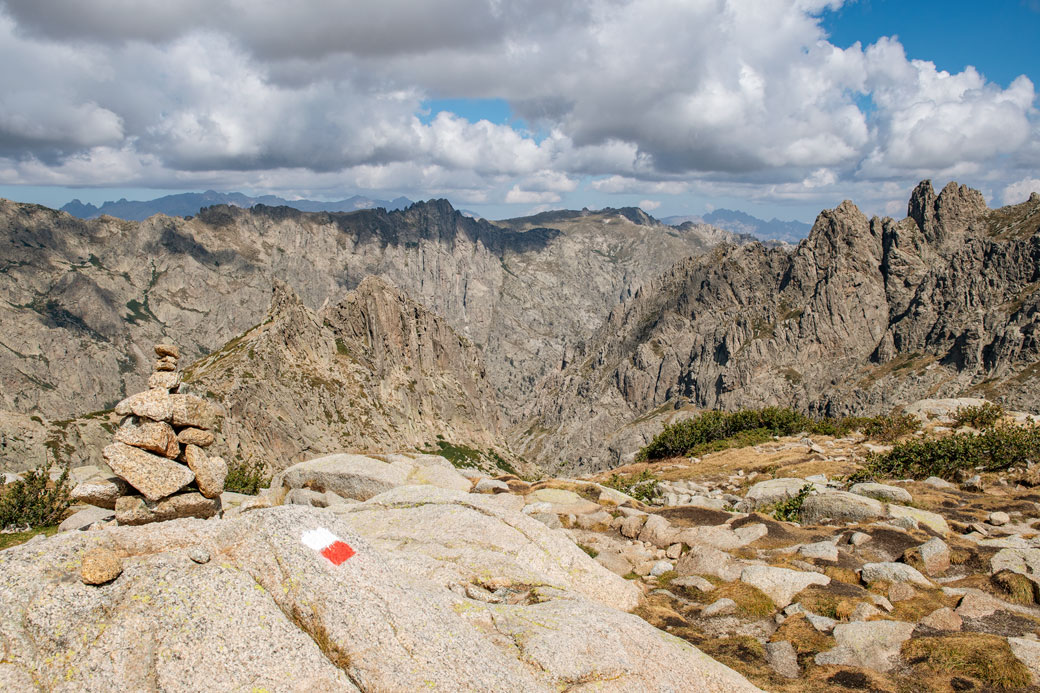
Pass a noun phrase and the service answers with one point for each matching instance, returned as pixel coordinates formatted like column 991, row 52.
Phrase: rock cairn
column 158, row 456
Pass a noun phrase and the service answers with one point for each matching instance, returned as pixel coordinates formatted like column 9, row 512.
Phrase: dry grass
column 751, row 601
column 1015, row 587
column 985, row 658
column 926, row 601
column 803, row 636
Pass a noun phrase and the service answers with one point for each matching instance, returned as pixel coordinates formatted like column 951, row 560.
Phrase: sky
column 779, row 108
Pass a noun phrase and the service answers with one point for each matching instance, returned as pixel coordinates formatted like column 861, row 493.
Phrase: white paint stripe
column 318, row 539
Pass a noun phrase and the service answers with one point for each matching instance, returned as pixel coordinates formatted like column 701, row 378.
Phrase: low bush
column 994, row 449
column 788, row 510
column 985, row 415
column 33, row 501
column 718, row 430
column 247, row 476
column 642, row 486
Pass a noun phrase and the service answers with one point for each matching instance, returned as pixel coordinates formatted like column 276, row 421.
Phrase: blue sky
column 771, row 107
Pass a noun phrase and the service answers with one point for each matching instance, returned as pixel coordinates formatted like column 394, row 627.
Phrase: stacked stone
column 159, row 451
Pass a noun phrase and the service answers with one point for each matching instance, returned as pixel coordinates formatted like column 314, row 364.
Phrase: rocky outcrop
column 864, row 315
column 376, row 371
column 383, row 612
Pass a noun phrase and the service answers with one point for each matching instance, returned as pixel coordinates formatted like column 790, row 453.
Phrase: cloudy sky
column 777, row 107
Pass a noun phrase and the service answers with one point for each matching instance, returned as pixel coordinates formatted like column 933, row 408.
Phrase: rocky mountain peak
column 939, row 216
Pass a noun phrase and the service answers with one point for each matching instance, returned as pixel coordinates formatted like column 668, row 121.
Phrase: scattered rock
column 707, row 560
column 694, row 581
column 659, row 532
column 198, row 554
column 85, row 518
column 893, row 572
column 999, row 518
column 841, row 506
column 632, row 526
column 935, row 556
column 978, row 605
column 783, row 659
column 100, row 565
column 597, row 520
column 943, row 619
column 859, row 538
column 882, row 492
column 867, row 644
column 770, row 492
column 660, row 568
column 935, row 522
column 821, row 550
column 940, row 483
column 496, row 486
column 780, row 584
column 720, row 607
column 864, row 612
column 1028, row 652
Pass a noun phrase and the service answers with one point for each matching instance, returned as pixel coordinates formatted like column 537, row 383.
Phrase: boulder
column 772, row 491
column 722, row 536
column 893, row 572
column 998, row 518
column 150, row 404
column 783, row 659
column 492, row 486
column 867, row 644
column 101, row 491
column 195, row 436
column 170, row 350
column 933, row 521
column 841, row 506
column 210, row 472
column 100, row 565
column 632, row 526
column 720, row 607
column 943, row 619
column 563, row 501
column 135, row 510
column 821, row 550
column 659, row 532
column 353, row 476
column 780, row 584
column 1028, row 652
column 155, row 477
column 154, row 436
column 85, row 518
column 882, row 492
column 707, row 560
column 935, row 556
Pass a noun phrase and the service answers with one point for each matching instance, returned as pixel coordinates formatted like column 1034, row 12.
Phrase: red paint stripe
column 337, row 552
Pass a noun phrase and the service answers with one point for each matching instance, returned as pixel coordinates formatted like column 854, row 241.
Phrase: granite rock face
column 390, row 617
column 864, row 315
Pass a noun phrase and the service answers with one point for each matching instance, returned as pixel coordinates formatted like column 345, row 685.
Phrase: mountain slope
column 83, row 301
column 375, row 372
column 862, row 316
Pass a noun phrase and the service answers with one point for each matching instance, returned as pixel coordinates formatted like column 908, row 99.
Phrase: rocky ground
column 895, row 586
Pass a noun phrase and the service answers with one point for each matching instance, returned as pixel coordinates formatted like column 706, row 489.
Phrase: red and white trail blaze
column 327, row 544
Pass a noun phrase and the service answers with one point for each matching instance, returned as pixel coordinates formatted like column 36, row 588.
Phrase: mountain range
column 189, row 204
column 563, row 340
column 743, row 223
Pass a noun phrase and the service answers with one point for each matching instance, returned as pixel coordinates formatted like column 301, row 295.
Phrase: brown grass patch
column 984, row 658
column 801, row 634
column 926, row 601
column 750, row 601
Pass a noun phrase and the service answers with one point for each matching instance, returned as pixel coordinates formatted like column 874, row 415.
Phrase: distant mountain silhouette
column 741, row 223
column 189, row 204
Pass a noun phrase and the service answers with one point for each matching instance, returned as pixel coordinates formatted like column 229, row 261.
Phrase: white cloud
column 528, row 197
column 749, row 97
column 1019, row 191
column 649, row 205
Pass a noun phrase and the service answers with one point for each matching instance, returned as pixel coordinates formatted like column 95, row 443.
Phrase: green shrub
column 994, row 449
column 247, row 477
column 642, row 486
column 718, row 430
column 29, row 501
column 788, row 510
column 983, row 416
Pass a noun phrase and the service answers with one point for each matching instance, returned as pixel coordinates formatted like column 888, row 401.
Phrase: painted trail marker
column 327, row 544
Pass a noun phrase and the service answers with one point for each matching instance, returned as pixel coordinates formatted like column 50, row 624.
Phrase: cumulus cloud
column 750, row 96
column 649, row 205
column 1019, row 191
